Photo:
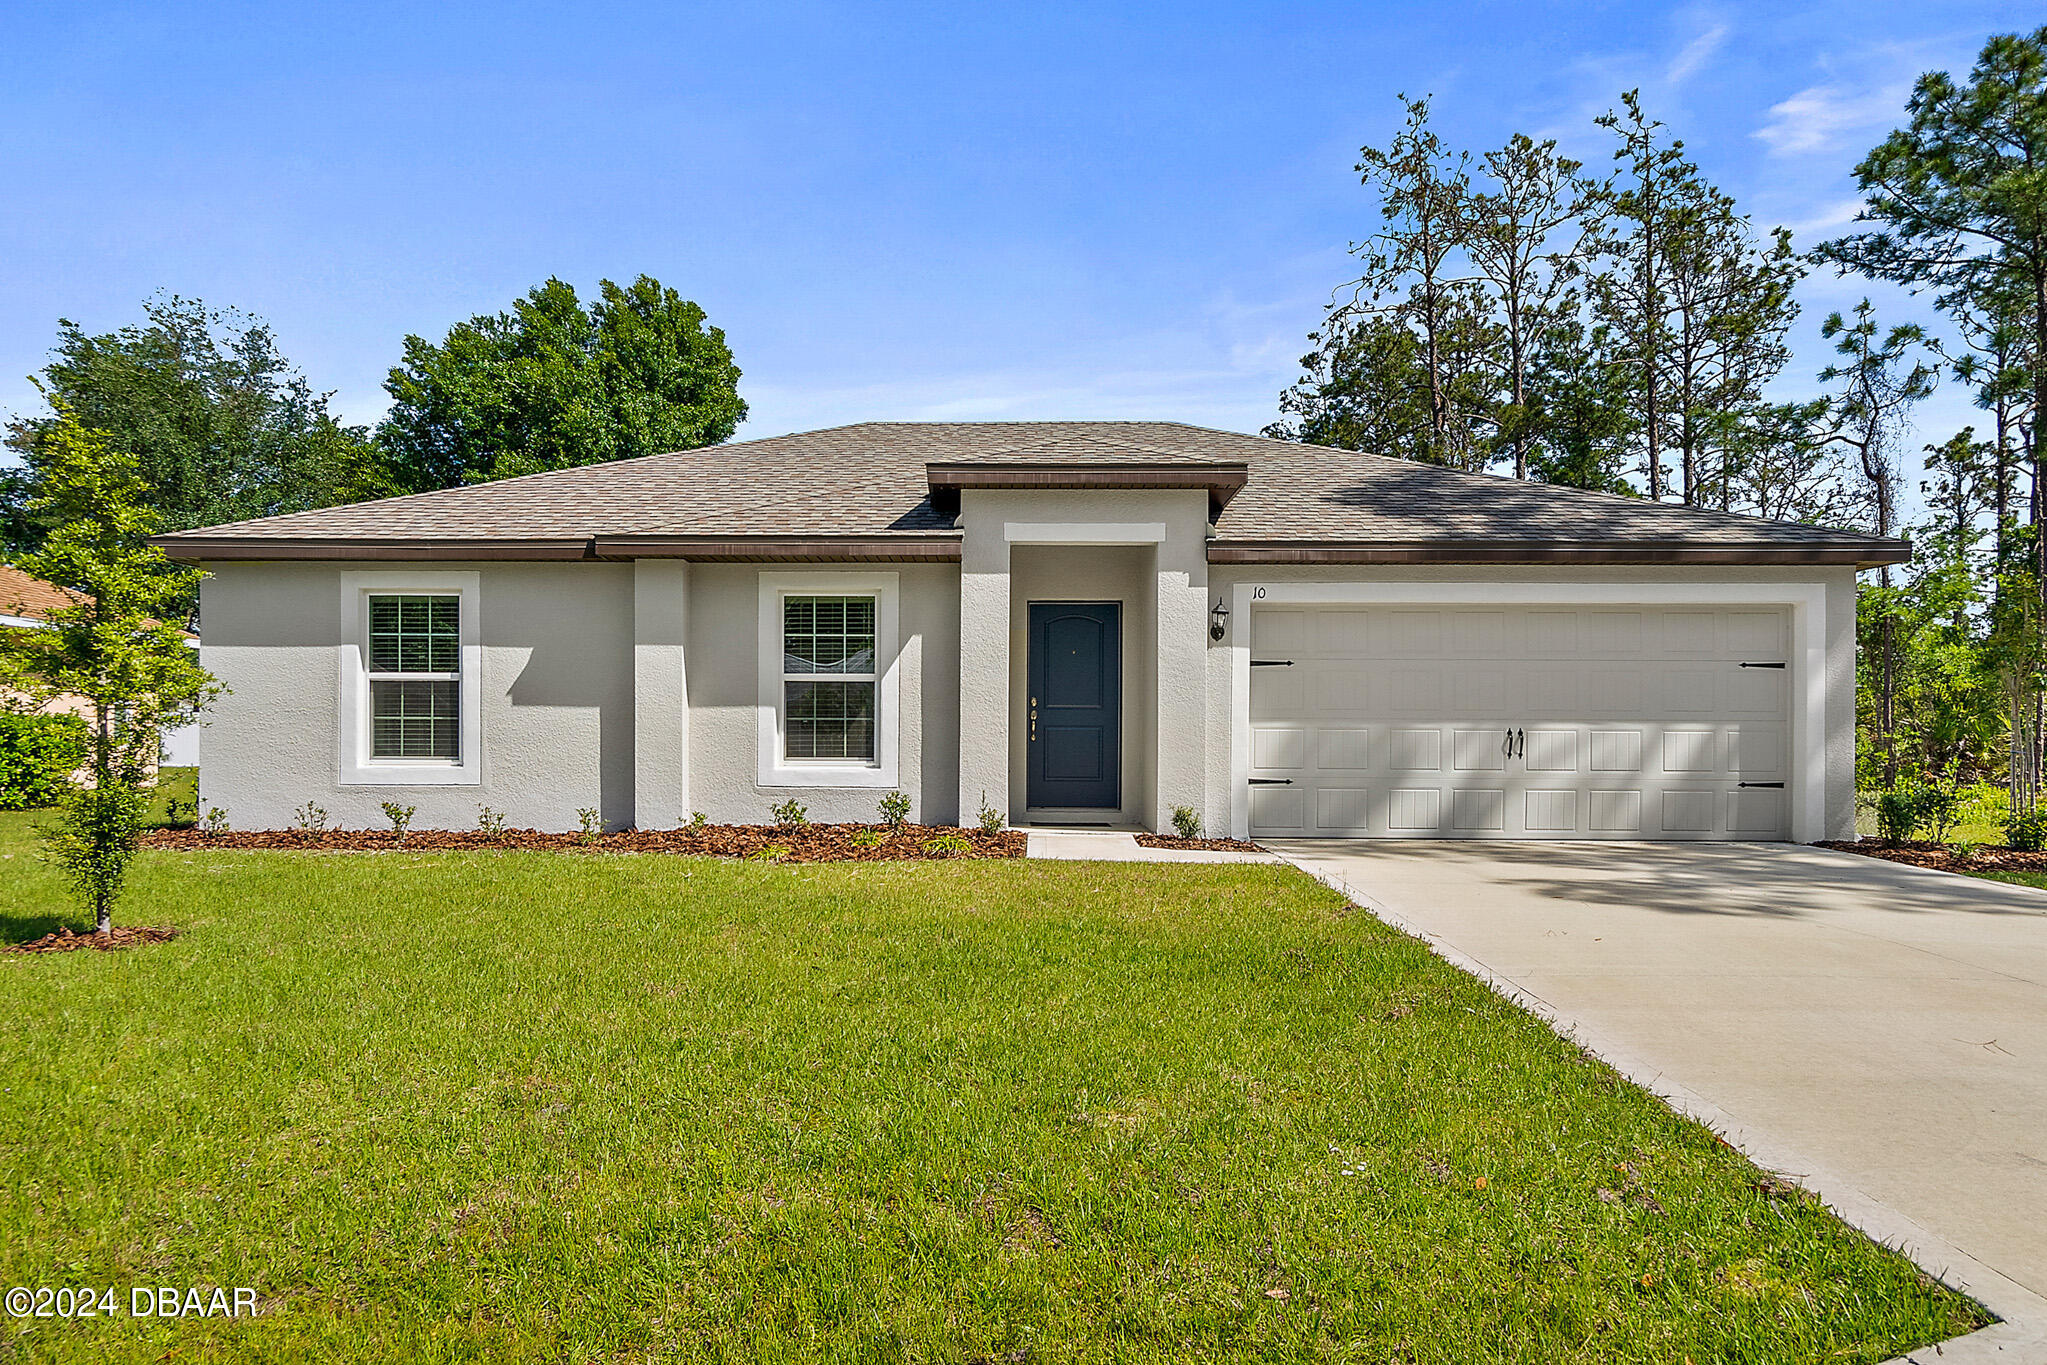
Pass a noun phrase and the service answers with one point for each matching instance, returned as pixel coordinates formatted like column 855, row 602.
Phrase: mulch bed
column 1210, row 845
column 62, row 940
column 1941, row 857
column 800, row 843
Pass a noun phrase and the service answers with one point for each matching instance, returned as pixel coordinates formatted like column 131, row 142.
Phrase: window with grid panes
column 416, row 677
column 828, row 678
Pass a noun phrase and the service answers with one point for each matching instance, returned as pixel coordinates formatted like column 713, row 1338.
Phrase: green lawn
column 600, row 1107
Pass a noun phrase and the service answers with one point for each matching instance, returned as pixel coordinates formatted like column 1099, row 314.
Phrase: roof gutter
column 1863, row 553
column 193, row 549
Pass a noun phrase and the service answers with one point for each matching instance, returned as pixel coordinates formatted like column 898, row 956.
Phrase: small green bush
column 867, row 838
column 1186, row 822
column 992, row 820
column 215, row 821
column 490, row 823
column 895, row 808
column 768, row 853
column 400, row 818
column 790, row 812
column 590, row 823
column 38, row 754
column 2026, row 830
column 947, row 846
column 180, row 812
column 697, row 821
column 1906, row 812
column 309, row 818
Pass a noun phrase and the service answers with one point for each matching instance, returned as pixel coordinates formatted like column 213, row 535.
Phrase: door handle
column 1516, row 743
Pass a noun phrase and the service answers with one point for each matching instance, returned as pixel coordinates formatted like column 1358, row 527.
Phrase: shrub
column 38, row 754
column 180, row 813
column 2026, row 830
column 867, row 838
column 992, row 819
column 768, row 853
column 309, row 818
column 790, row 812
column 400, row 818
column 490, row 823
column 591, row 824
column 1187, row 822
column 948, row 846
column 1905, row 812
column 895, row 808
column 1962, row 851
column 215, row 821
column 697, row 821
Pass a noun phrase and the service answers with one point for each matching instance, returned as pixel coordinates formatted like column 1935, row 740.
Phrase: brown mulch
column 1941, row 857
column 62, row 940
column 1211, row 845
column 801, row 843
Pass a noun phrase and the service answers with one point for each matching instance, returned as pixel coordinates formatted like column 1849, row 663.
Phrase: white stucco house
column 1078, row 621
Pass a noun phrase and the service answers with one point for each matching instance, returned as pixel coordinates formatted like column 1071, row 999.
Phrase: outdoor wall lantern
column 1218, row 620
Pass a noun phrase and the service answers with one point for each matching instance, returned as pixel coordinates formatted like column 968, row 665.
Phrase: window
column 416, row 677
column 409, row 693
column 828, row 681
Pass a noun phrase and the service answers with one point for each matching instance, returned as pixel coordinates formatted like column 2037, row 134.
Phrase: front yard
column 562, row 1106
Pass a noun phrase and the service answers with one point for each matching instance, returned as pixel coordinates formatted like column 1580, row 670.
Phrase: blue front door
column 1076, row 705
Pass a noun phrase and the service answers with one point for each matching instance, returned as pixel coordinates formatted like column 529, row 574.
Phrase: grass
column 526, row 1107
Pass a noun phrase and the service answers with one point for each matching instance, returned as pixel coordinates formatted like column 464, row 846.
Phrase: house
column 26, row 603
column 1070, row 621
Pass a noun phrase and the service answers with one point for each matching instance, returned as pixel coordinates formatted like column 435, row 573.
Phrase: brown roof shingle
column 869, row 481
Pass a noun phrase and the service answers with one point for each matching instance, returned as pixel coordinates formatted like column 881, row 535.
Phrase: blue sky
column 913, row 212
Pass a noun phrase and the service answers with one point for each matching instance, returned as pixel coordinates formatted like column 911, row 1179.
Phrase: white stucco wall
column 1839, row 585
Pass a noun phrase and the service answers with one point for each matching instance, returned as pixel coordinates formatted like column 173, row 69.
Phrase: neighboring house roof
column 31, row 599
column 889, row 490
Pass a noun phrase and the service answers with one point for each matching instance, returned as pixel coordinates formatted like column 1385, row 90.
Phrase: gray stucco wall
column 723, row 652
column 557, row 697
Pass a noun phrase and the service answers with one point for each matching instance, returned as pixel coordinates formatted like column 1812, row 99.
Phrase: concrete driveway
column 1868, row 1026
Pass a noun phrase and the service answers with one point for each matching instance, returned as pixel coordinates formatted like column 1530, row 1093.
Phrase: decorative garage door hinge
column 1272, row 663
column 1778, row 664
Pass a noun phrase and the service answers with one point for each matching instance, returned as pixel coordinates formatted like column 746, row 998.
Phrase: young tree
column 220, row 425
column 116, row 646
column 553, row 384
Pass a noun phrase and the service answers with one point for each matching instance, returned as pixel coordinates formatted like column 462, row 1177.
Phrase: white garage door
column 1520, row 722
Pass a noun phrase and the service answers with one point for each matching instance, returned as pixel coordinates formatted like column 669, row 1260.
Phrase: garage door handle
column 1272, row 663
column 1272, row 782
column 1759, row 784
column 1775, row 665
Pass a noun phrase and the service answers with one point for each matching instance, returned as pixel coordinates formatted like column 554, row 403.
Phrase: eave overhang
column 1223, row 479
column 1861, row 553
column 195, row 549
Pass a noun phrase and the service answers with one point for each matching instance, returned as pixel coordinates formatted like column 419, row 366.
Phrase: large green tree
column 219, row 423
column 555, row 383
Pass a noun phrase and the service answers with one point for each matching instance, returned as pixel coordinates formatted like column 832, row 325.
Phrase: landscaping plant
column 1186, row 822
column 589, row 824
column 2026, row 830
column 38, row 755
column 490, row 823
column 992, row 820
column 115, row 645
column 790, row 812
column 895, row 808
column 309, row 818
column 400, row 818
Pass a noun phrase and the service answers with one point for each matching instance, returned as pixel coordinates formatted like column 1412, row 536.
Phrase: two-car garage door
column 1520, row 722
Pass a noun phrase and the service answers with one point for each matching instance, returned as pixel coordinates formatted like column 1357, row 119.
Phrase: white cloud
column 1696, row 54
column 1819, row 118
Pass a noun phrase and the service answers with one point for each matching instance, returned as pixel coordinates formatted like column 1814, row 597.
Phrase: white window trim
column 1807, row 602
column 776, row 771
column 357, row 768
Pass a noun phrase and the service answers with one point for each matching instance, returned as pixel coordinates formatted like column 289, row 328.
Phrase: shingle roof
column 869, row 480
column 23, row 595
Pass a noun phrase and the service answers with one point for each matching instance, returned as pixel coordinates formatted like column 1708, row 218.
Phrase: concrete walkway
column 1879, row 1031
column 1121, row 846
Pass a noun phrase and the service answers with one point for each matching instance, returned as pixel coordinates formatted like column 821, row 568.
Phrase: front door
column 1076, row 702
